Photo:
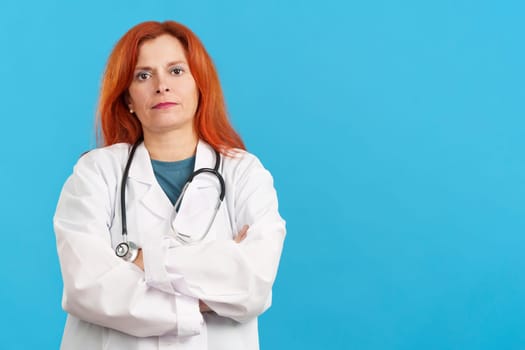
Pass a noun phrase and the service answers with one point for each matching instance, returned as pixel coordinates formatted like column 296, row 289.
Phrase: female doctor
column 169, row 236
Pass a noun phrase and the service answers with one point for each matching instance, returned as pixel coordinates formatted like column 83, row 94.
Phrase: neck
column 171, row 147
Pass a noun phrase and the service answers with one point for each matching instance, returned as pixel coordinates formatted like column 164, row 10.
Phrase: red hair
column 114, row 121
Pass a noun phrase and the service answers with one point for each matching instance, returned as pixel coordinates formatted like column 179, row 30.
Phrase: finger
column 203, row 307
column 244, row 230
column 238, row 238
column 242, row 234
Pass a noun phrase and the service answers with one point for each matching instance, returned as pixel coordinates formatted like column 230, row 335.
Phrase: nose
column 162, row 87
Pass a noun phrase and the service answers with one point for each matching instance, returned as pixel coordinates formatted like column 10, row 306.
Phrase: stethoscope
column 128, row 250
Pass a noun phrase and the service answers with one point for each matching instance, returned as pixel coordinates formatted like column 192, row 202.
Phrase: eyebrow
column 168, row 65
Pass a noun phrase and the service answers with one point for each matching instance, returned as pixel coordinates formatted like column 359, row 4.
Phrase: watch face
column 122, row 249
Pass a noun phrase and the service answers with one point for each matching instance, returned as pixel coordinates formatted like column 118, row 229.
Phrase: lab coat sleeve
column 98, row 286
column 235, row 280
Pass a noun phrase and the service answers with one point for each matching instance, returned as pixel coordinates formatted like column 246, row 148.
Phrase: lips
column 164, row 105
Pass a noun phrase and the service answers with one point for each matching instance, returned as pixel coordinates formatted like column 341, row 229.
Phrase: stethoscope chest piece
column 127, row 251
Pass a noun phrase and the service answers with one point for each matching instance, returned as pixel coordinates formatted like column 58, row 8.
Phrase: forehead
column 162, row 49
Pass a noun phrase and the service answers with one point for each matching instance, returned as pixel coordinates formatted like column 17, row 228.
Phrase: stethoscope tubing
column 123, row 190
column 131, row 248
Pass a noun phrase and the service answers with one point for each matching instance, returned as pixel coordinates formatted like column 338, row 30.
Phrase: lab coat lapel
column 143, row 186
column 205, row 156
column 197, row 207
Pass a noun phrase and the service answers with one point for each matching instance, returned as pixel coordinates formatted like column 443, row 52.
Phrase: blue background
column 394, row 131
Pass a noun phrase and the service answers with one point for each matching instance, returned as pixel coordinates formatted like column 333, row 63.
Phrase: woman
column 199, row 276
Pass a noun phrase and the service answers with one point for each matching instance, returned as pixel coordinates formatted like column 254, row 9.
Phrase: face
column 163, row 94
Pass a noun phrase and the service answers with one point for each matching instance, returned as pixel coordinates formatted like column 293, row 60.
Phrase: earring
column 130, row 111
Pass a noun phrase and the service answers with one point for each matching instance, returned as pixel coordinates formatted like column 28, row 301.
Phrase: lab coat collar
column 154, row 197
column 205, row 156
column 141, row 169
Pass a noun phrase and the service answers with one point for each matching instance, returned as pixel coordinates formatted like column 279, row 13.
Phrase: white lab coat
column 112, row 304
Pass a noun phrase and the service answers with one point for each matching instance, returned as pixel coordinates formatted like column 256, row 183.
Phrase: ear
column 127, row 100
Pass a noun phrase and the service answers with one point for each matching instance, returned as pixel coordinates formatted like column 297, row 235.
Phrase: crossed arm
column 102, row 289
column 139, row 261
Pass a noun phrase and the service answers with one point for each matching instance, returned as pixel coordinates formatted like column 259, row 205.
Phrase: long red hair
column 114, row 121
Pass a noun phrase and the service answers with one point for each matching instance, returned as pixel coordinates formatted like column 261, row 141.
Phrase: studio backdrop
column 394, row 130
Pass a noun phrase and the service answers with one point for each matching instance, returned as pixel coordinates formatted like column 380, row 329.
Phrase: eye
column 177, row 70
column 142, row 75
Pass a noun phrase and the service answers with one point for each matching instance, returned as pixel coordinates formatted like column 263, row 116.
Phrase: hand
column 243, row 233
column 203, row 307
column 139, row 261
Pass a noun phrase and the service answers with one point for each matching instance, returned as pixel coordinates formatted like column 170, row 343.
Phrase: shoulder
column 104, row 159
column 239, row 158
column 116, row 151
column 241, row 164
column 96, row 172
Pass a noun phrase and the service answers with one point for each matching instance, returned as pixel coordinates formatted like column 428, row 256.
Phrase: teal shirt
column 172, row 176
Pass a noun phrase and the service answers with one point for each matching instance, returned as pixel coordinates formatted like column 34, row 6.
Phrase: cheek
column 193, row 93
column 188, row 87
column 137, row 96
